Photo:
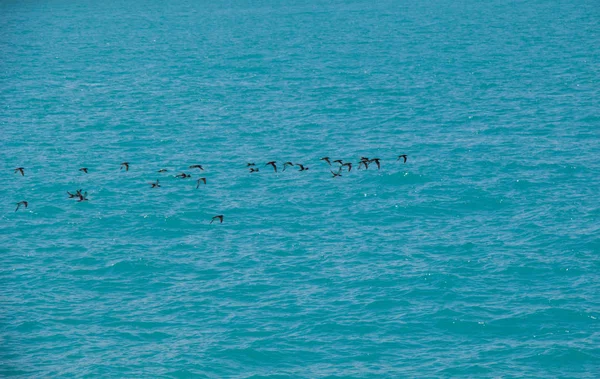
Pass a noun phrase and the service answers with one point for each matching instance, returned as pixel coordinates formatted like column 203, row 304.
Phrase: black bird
column 200, row 180
column 402, row 156
column 126, row 165
column 199, row 166
column 21, row 170
column 338, row 161
column 326, row 159
column 376, row 160
column 365, row 163
column 302, row 168
column 253, row 170
column 163, row 170
column 82, row 197
column 21, row 203
column 220, row 217
column 336, row 173
column 272, row 163
column 349, row 165
column 250, row 164
column 287, row 164
column 183, row 175
column 155, row 184
column 84, row 169
column 364, row 159
column 72, row 195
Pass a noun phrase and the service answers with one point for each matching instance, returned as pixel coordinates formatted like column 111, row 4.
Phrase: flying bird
column 155, row 184
column 220, row 217
column 253, row 170
column 163, row 170
column 335, row 174
column 302, row 167
column 24, row 203
column 82, row 197
column 84, row 169
column 198, row 166
column 349, row 165
column 365, row 163
column 250, row 164
column 272, row 163
column 126, row 165
column 338, row 161
column 183, row 175
column 200, row 180
column 402, row 156
column 376, row 160
column 326, row 159
column 21, row 170
column 286, row 164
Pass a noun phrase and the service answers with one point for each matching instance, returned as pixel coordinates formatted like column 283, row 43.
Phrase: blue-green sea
column 479, row 257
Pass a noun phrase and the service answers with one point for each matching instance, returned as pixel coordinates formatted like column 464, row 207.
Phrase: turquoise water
column 479, row 257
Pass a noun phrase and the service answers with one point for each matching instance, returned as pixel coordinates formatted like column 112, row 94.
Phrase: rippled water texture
column 479, row 257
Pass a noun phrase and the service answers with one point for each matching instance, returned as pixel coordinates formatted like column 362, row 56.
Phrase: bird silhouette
column 220, row 217
column 84, row 169
column 198, row 166
column 402, row 156
column 200, row 180
column 155, row 184
column 21, row 170
column 326, row 159
column 24, row 203
column 126, row 165
column 272, row 163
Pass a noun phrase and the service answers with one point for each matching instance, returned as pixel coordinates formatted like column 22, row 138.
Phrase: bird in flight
column 252, row 169
column 24, row 203
column 72, row 195
column 126, row 165
column 250, row 164
column 219, row 217
column 183, row 175
column 326, row 159
column 376, row 160
column 155, row 184
column 402, row 156
column 82, row 196
column 302, row 167
column 84, row 169
column 198, row 166
column 349, row 165
column 200, row 180
column 163, row 170
column 272, row 163
column 365, row 163
column 336, row 174
column 286, row 164
column 21, row 170
column 338, row 161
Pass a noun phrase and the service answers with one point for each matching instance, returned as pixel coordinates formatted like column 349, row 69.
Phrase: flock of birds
column 363, row 163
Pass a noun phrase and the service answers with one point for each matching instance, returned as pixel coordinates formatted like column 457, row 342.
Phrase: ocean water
column 478, row 257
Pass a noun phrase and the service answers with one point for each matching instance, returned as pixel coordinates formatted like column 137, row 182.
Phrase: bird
column 84, row 169
column 326, row 159
column 402, row 156
column 287, row 164
column 336, row 173
column 349, row 165
column 338, row 161
column 376, row 160
column 272, row 163
column 250, row 164
column 82, row 197
column 302, row 167
column 220, row 217
column 21, row 170
column 183, row 175
column 364, row 159
column 163, row 170
column 200, row 180
column 155, row 184
column 253, row 170
column 198, row 166
column 126, row 165
column 21, row 203
column 365, row 163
